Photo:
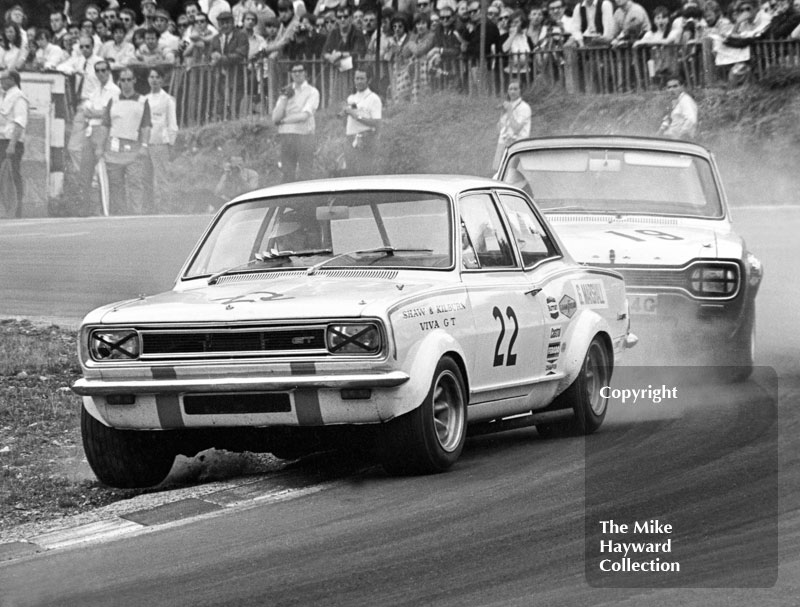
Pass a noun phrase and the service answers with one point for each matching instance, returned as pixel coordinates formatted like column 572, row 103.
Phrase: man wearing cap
column 229, row 51
column 294, row 117
column 13, row 121
column 167, row 41
column 213, row 8
column 148, row 13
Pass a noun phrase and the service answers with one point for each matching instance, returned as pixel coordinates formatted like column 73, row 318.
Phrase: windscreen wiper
column 267, row 256
column 389, row 251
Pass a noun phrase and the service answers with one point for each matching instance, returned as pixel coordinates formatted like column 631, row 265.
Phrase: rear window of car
column 602, row 180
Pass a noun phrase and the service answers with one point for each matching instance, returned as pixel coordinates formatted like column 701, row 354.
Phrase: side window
column 532, row 240
column 484, row 242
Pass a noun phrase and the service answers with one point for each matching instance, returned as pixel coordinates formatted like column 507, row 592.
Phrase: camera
column 288, row 90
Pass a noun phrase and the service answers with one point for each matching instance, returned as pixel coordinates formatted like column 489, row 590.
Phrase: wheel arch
column 579, row 337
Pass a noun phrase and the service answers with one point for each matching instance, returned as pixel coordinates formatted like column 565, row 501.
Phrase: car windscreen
column 389, row 229
column 616, row 181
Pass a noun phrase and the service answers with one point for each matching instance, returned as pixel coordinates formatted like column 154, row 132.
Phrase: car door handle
column 534, row 291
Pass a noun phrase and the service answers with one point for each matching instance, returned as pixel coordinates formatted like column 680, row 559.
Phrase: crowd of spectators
column 417, row 37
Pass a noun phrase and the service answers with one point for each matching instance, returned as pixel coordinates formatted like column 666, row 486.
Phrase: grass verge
column 40, row 443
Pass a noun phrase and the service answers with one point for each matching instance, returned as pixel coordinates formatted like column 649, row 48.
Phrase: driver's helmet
column 296, row 230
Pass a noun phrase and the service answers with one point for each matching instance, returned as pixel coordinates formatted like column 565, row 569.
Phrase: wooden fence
column 206, row 93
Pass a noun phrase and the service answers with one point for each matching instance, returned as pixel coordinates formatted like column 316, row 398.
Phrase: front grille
column 235, row 342
column 653, row 278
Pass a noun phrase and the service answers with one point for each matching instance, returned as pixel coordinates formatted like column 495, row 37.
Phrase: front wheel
column 126, row 458
column 584, row 396
column 431, row 437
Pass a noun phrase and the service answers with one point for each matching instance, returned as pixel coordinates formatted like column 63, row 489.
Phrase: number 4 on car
column 379, row 314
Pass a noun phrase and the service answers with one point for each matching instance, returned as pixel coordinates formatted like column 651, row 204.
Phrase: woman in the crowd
column 419, row 45
column 13, row 56
column 517, row 46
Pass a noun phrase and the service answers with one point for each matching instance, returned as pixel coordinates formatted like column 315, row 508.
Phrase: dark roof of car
column 444, row 184
column 612, row 141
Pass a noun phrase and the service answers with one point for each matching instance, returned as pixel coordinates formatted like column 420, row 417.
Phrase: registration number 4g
column 509, row 358
column 643, row 304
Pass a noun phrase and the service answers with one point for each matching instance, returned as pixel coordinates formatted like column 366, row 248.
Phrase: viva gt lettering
column 648, row 233
column 427, row 325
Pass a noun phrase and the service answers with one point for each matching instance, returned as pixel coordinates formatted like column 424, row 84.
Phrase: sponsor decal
column 553, row 350
column 552, row 307
column 590, row 293
column 567, row 306
column 550, row 368
column 430, row 310
column 555, row 332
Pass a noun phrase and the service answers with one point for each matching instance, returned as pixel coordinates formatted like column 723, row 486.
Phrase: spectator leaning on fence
column 168, row 42
column 163, row 133
column 593, row 22
column 681, row 121
column 514, row 123
column 198, row 49
column 14, row 109
column 784, row 21
column 345, row 42
column 94, row 139
column 229, row 53
column 294, row 117
column 48, row 55
column 127, row 121
column 631, row 21
column 150, row 53
column 117, row 51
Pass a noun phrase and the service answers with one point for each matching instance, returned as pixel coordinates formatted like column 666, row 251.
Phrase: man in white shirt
column 294, row 117
column 94, row 139
column 14, row 108
column 168, row 42
column 631, row 22
column 363, row 110
column 681, row 122
column 163, row 132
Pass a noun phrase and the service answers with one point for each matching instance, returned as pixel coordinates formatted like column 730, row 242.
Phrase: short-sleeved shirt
column 305, row 99
column 368, row 105
column 13, row 110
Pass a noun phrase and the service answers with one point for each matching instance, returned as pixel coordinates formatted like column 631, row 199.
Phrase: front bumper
column 97, row 387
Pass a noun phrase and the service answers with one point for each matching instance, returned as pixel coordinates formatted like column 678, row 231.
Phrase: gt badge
column 567, row 306
column 555, row 332
column 552, row 307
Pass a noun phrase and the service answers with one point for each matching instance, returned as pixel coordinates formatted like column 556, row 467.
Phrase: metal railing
column 206, row 93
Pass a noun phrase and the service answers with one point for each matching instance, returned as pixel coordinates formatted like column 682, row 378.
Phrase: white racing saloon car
column 655, row 211
column 391, row 311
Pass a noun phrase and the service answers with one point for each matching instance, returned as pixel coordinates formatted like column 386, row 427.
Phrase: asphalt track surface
column 514, row 523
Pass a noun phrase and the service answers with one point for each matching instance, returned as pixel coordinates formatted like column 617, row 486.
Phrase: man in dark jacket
column 229, row 50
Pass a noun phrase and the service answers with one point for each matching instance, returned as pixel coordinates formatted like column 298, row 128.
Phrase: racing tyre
column 584, row 396
column 431, row 437
column 742, row 351
column 126, row 458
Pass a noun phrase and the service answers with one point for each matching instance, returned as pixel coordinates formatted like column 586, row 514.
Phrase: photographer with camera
column 236, row 179
column 294, row 117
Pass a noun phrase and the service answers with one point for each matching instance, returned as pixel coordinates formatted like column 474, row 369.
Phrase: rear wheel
column 126, row 458
column 431, row 437
column 584, row 395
